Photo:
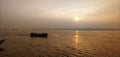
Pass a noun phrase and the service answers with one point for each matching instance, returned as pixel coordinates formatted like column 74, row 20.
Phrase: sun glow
column 76, row 18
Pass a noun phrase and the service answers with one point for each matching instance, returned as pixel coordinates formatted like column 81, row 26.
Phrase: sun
column 76, row 18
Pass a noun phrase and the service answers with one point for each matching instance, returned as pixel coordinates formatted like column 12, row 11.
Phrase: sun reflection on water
column 76, row 39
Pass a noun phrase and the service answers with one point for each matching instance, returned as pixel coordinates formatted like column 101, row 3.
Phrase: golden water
column 61, row 43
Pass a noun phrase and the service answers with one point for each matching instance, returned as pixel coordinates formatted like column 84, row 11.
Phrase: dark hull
column 1, row 41
column 43, row 35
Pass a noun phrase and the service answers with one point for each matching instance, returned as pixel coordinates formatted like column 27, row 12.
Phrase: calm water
column 61, row 43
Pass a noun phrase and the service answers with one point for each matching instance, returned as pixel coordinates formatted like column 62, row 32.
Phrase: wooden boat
column 44, row 35
column 1, row 41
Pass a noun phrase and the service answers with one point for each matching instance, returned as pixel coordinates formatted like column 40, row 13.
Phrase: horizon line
column 65, row 28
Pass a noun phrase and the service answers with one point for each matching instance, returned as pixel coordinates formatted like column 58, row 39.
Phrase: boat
column 43, row 35
column 1, row 41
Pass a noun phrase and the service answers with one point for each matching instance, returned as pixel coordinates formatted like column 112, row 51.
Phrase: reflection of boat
column 1, row 41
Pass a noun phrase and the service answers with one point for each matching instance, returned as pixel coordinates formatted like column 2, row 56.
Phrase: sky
column 59, row 13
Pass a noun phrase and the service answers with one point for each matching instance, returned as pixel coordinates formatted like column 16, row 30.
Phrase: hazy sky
column 59, row 13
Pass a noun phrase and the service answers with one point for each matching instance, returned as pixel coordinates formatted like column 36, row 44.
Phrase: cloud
column 95, row 13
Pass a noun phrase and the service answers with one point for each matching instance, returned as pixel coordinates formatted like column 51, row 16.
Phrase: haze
column 59, row 13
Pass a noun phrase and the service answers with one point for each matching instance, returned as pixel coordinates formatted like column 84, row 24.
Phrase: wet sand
column 61, row 43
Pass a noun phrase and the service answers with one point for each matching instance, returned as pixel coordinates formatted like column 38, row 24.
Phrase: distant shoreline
column 58, row 29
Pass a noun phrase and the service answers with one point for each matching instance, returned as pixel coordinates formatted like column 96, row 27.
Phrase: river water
column 60, row 43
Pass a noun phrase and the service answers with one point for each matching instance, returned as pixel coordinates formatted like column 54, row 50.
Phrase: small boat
column 1, row 41
column 44, row 35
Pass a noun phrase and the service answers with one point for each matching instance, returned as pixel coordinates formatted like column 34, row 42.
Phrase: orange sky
column 59, row 13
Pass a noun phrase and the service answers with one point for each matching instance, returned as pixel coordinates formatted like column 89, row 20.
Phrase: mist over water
column 75, row 28
column 61, row 43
